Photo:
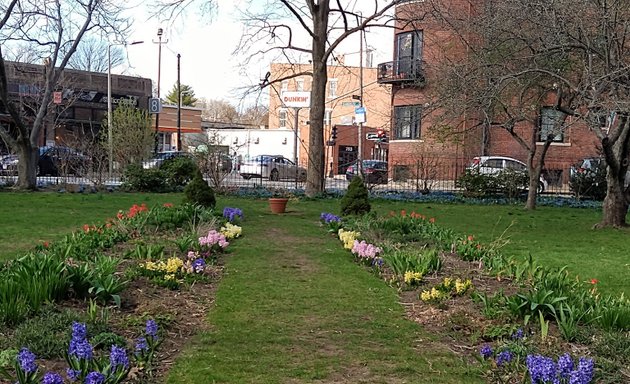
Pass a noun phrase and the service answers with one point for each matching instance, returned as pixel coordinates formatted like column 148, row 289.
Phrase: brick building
column 343, row 84
column 415, row 132
column 80, row 105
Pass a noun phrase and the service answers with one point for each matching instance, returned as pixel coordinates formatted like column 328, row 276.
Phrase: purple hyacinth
column 486, row 351
column 518, row 334
column 199, row 265
column 585, row 367
column 26, row 359
column 329, row 218
column 79, row 331
column 94, row 378
column 52, row 378
column 118, row 357
column 81, row 349
column 504, row 357
column 231, row 213
column 565, row 365
column 151, row 328
column 141, row 345
column 73, row 374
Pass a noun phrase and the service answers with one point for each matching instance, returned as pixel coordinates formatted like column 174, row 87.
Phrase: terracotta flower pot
column 278, row 204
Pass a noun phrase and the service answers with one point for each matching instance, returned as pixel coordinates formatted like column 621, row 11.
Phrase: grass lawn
column 294, row 307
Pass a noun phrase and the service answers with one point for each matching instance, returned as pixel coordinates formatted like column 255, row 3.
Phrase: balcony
column 405, row 71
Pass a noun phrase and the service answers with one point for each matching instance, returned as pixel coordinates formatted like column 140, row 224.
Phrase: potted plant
column 278, row 200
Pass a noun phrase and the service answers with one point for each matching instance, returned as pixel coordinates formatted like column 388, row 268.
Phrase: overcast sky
column 206, row 47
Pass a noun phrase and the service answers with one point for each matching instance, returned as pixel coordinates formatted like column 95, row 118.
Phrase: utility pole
column 360, row 156
column 160, row 31
column 295, row 145
column 179, row 107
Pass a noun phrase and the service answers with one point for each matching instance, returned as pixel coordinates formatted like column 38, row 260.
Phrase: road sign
column 155, row 105
column 350, row 103
column 359, row 115
column 371, row 136
column 57, row 97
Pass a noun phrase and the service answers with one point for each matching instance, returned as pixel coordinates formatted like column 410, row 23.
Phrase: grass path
column 294, row 308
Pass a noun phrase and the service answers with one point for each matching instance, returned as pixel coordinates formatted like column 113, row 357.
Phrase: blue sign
column 359, row 111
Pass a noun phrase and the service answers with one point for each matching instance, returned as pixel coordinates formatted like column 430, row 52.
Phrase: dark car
column 374, row 171
column 60, row 160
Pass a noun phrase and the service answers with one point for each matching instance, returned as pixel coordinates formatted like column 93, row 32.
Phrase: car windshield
column 374, row 164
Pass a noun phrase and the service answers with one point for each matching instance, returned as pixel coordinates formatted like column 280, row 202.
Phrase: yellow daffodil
column 231, row 231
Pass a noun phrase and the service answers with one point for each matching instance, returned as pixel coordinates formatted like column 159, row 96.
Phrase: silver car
column 492, row 165
column 272, row 167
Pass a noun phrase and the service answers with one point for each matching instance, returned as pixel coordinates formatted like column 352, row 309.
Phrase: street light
column 110, row 141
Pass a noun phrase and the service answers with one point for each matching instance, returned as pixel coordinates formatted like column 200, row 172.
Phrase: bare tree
column 255, row 115
column 91, row 55
column 279, row 27
column 55, row 30
column 572, row 57
column 217, row 110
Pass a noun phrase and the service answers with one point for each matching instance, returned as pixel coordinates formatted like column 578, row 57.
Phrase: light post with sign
column 110, row 137
column 297, row 101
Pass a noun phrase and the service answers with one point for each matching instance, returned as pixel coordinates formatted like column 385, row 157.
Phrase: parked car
column 161, row 157
column 273, row 167
column 8, row 165
column 374, row 171
column 60, row 160
column 593, row 166
column 492, row 165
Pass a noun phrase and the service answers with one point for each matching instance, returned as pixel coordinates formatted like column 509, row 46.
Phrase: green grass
column 27, row 219
column 293, row 307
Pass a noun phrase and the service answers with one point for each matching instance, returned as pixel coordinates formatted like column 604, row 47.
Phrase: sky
column 206, row 47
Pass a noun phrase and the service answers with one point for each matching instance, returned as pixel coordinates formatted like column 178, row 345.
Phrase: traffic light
column 382, row 135
column 334, row 133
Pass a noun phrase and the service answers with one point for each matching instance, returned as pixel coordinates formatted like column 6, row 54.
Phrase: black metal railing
column 401, row 71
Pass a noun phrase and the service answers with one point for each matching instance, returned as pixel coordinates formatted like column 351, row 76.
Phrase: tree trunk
column 27, row 166
column 315, row 175
column 532, row 192
column 616, row 203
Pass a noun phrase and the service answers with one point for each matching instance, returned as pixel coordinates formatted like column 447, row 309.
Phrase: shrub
column 199, row 192
column 475, row 183
column 139, row 179
column 178, row 171
column 590, row 183
column 355, row 201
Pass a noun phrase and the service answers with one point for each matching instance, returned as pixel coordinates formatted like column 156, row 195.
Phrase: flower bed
column 76, row 305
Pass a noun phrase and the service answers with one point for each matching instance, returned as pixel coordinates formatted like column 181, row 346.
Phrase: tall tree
column 255, row 115
column 278, row 27
column 92, row 55
column 54, row 29
column 217, row 110
column 573, row 57
column 186, row 92
column 132, row 134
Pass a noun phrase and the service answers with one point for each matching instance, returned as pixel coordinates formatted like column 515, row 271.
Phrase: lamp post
column 110, row 137
column 160, row 31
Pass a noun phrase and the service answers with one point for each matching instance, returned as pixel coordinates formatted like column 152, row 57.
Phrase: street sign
column 296, row 99
column 351, row 104
column 371, row 136
column 57, row 97
column 359, row 115
column 155, row 105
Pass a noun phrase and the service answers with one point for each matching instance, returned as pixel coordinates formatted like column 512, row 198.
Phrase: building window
column 552, row 124
column 299, row 84
column 282, row 116
column 407, row 122
column 328, row 117
column 408, row 53
column 332, row 88
column 284, row 85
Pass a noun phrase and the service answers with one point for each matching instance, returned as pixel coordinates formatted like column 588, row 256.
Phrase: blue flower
column 118, row 357
column 79, row 331
column 141, row 345
column 52, row 378
column 231, row 213
column 486, row 351
column 565, row 365
column 151, row 328
column 504, row 357
column 585, row 367
column 199, row 265
column 329, row 217
column 518, row 334
column 73, row 374
column 80, row 349
column 94, row 378
column 26, row 359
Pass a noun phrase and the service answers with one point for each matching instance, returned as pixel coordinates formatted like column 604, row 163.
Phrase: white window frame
column 328, row 116
column 284, row 86
column 282, row 118
column 299, row 84
column 332, row 88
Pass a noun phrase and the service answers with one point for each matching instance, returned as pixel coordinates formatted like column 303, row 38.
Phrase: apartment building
column 416, row 138
column 342, row 99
